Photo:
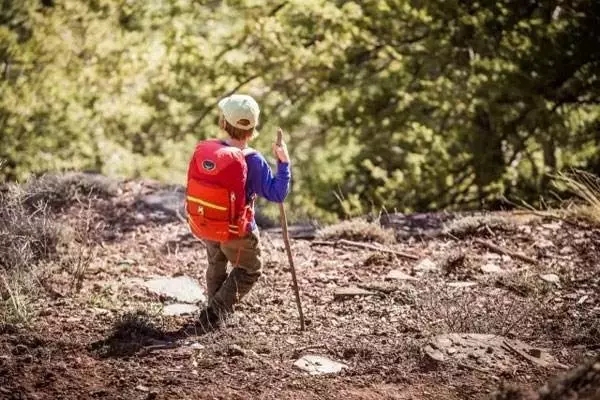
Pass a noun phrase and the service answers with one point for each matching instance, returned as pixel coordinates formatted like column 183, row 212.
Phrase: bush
column 58, row 191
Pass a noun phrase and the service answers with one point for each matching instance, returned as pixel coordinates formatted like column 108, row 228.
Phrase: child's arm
column 261, row 180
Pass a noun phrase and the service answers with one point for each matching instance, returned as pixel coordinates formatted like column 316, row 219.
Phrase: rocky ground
column 458, row 307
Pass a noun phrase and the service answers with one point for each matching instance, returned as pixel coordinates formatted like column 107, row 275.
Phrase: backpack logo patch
column 208, row 165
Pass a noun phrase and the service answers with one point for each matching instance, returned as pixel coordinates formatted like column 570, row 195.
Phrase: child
column 234, row 239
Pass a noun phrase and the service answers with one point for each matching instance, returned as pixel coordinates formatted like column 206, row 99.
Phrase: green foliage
column 395, row 104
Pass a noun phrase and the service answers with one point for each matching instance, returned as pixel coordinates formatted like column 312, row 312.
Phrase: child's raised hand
column 280, row 149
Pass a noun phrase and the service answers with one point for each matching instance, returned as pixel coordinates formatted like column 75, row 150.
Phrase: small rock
column 434, row 354
column 582, row 299
column 342, row 293
column 492, row 256
column 461, row 284
column 554, row 226
column 451, row 350
column 425, row 265
column 318, row 365
column 142, row 388
column 197, row 346
column 235, row 350
column 550, row 278
column 20, row 349
column 45, row 312
column 491, row 269
column 566, row 250
column 543, row 244
column 396, row 274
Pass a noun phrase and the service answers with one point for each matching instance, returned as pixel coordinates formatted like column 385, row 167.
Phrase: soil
column 109, row 339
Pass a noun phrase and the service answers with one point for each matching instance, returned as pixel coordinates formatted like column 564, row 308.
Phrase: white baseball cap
column 238, row 107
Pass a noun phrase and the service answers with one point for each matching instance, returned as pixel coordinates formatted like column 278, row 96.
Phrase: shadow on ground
column 137, row 334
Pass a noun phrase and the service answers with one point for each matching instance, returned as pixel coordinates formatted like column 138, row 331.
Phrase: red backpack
column 216, row 192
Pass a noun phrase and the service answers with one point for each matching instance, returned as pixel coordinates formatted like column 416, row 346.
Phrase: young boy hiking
column 224, row 178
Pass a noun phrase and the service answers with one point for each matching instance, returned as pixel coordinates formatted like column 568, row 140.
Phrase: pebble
column 490, row 268
column 550, row 278
column 425, row 265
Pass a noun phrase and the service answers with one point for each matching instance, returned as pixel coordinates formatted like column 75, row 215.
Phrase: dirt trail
column 111, row 341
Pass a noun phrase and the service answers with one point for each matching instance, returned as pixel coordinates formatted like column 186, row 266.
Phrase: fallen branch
column 556, row 217
column 363, row 246
column 501, row 250
column 311, row 347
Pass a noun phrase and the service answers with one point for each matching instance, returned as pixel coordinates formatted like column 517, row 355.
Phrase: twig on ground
column 310, row 347
column 296, row 352
column 502, row 250
column 364, row 246
column 551, row 215
column 473, row 368
column 163, row 346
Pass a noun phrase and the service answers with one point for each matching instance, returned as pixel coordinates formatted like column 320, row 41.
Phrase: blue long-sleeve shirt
column 262, row 182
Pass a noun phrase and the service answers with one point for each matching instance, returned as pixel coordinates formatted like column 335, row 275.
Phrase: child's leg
column 245, row 256
column 216, row 273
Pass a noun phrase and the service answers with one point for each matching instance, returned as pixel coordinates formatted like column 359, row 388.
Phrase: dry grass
column 27, row 239
column 448, row 310
column 27, row 236
column 32, row 241
column 14, row 301
column 586, row 187
column 358, row 229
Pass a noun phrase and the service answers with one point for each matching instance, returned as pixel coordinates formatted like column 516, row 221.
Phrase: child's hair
column 237, row 133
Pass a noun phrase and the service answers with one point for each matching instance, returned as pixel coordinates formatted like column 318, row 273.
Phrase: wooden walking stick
column 286, row 240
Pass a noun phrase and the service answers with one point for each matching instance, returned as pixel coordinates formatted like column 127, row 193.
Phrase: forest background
column 388, row 105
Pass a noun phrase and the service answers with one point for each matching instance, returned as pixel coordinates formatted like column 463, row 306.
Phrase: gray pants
column 226, row 289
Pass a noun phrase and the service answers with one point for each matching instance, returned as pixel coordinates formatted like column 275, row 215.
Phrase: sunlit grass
column 584, row 186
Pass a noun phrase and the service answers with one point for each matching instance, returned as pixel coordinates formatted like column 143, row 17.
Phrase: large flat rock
column 181, row 288
column 170, row 202
column 178, row 309
column 486, row 351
